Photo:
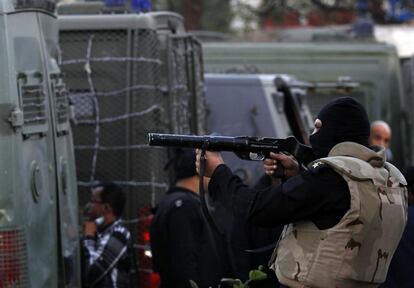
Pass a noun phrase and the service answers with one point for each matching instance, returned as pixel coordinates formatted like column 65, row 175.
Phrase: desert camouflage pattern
column 358, row 250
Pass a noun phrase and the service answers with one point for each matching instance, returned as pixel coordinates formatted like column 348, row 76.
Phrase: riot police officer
column 344, row 215
column 183, row 246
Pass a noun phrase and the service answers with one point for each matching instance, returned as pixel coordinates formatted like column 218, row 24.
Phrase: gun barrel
column 242, row 145
column 215, row 143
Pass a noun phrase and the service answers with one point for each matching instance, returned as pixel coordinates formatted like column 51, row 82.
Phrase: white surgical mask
column 99, row 221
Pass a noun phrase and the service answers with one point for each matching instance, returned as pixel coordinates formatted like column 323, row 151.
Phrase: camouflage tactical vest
column 357, row 251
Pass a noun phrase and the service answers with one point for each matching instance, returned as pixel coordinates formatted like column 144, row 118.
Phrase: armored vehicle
column 128, row 75
column 374, row 65
column 39, row 244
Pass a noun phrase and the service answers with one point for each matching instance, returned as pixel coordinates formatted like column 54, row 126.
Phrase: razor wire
column 120, row 117
column 87, row 61
column 98, row 121
column 95, row 102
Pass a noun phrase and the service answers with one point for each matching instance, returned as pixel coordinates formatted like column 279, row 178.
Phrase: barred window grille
column 34, row 104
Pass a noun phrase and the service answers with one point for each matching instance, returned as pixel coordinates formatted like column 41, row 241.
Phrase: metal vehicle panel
column 33, row 145
column 64, row 158
column 31, row 246
column 182, row 68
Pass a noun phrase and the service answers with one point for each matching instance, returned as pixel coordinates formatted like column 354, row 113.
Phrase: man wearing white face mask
column 107, row 249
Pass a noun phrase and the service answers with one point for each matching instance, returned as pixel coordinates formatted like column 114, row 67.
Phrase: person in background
column 108, row 254
column 183, row 245
column 380, row 135
column 348, row 208
column 400, row 273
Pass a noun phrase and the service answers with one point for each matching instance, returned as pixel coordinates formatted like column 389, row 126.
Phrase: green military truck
column 374, row 66
column 39, row 237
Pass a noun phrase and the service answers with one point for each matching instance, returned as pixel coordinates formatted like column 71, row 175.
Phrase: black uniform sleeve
column 184, row 230
column 320, row 196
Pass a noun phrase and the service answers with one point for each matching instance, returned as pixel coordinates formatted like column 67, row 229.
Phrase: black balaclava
column 343, row 119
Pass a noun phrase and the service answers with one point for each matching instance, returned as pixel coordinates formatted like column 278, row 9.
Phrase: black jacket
column 245, row 236
column 319, row 195
column 183, row 245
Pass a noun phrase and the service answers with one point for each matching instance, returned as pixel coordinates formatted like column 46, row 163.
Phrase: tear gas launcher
column 245, row 147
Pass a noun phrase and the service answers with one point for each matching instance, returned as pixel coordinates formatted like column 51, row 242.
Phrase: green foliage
column 216, row 15
column 256, row 275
